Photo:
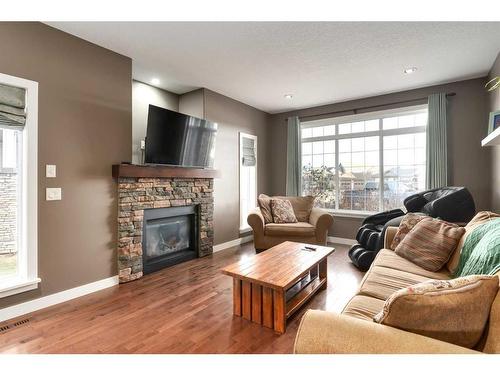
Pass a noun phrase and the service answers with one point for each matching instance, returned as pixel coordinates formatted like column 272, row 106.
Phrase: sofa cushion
column 363, row 307
column 406, row 225
column 302, row 206
column 282, row 211
column 299, row 229
column 265, row 207
column 454, row 310
column 430, row 243
column 388, row 258
column 382, row 282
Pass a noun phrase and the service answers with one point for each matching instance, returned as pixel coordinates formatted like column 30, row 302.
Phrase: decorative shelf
column 493, row 139
column 158, row 171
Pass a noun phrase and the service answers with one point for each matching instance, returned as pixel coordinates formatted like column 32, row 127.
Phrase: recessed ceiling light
column 410, row 70
column 288, row 96
column 155, row 81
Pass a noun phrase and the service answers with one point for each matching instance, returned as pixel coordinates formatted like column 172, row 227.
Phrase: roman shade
column 12, row 106
column 248, row 151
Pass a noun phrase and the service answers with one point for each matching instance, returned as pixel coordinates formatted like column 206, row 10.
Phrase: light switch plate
column 50, row 171
column 53, row 194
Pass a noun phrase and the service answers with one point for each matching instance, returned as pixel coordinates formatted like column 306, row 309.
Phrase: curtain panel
column 12, row 106
column 293, row 157
column 437, row 159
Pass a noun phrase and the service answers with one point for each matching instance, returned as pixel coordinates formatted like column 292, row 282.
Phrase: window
column 18, row 185
column 364, row 163
column 248, row 177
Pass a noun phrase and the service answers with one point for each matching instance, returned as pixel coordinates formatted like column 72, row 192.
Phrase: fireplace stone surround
column 137, row 193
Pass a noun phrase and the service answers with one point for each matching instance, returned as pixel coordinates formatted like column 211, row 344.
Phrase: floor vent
column 19, row 323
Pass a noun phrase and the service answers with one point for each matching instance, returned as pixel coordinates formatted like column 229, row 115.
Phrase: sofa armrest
column 390, row 232
column 322, row 332
column 256, row 221
column 322, row 221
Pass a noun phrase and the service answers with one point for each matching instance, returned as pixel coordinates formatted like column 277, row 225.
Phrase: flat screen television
column 173, row 138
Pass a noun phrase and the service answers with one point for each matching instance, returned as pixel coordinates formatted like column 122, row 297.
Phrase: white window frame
column 27, row 255
column 376, row 115
column 244, row 227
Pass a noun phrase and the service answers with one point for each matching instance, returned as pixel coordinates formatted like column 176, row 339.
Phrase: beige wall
column 495, row 151
column 84, row 126
column 142, row 96
column 234, row 117
column 469, row 164
column 193, row 103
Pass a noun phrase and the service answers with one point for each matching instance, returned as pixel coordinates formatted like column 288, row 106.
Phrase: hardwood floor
column 186, row 308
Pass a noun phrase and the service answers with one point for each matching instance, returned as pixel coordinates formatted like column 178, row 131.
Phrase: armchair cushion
column 290, row 229
column 265, row 207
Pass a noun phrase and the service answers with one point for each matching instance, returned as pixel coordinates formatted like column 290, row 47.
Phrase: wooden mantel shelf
column 158, row 171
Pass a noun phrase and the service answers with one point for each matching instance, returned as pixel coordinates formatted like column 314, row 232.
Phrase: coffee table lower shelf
column 267, row 306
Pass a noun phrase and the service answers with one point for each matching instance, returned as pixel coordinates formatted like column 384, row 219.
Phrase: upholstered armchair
column 313, row 231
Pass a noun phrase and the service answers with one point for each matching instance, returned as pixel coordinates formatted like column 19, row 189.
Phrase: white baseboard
column 341, row 240
column 236, row 242
column 53, row 299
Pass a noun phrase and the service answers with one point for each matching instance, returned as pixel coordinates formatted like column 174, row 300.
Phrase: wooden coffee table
column 269, row 287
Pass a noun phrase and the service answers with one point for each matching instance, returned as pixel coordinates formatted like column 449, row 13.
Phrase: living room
column 249, row 187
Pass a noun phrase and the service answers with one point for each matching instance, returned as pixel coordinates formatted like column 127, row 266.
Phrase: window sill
column 245, row 230
column 351, row 214
column 15, row 286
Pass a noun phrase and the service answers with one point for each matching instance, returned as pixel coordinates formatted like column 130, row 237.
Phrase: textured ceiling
column 318, row 62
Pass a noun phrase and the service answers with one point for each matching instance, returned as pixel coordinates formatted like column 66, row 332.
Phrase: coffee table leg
column 237, row 297
column 323, row 272
column 279, row 311
column 267, row 308
column 246, row 299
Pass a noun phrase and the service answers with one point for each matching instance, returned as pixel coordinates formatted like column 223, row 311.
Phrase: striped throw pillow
column 430, row 243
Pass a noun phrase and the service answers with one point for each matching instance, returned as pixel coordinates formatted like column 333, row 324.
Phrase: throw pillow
column 407, row 224
column 302, row 206
column 282, row 211
column 430, row 243
column 454, row 310
column 265, row 207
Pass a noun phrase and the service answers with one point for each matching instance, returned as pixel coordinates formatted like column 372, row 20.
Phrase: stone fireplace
column 165, row 216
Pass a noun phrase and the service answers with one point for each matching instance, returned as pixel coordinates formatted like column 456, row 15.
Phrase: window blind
column 248, row 157
column 12, row 106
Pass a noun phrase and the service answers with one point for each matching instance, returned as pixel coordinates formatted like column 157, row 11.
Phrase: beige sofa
column 313, row 231
column 353, row 331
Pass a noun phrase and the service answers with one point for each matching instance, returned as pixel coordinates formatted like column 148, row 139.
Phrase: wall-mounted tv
column 173, row 138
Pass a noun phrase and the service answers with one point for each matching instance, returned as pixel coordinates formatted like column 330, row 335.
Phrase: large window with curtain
column 18, row 181
column 365, row 163
column 248, row 177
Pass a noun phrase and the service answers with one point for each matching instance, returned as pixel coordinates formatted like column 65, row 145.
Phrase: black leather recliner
column 453, row 204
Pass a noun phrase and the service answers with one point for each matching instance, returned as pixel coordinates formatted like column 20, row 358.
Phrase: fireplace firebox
column 170, row 235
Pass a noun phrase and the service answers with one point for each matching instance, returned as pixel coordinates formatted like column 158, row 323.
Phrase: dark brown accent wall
column 84, row 126
column 469, row 164
column 495, row 150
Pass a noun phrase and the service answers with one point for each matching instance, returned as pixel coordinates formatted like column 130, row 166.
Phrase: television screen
column 173, row 138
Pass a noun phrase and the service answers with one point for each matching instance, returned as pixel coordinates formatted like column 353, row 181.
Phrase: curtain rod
column 355, row 110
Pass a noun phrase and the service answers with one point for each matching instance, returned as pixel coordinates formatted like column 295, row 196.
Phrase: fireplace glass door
column 170, row 236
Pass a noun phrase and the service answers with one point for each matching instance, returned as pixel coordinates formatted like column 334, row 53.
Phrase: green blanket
column 481, row 251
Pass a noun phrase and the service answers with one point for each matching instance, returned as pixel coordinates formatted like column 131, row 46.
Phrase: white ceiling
column 318, row 62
